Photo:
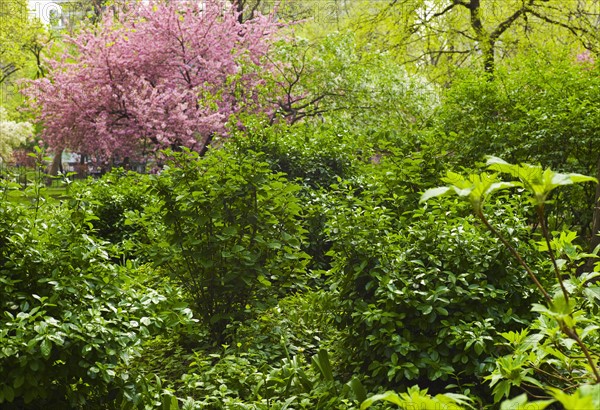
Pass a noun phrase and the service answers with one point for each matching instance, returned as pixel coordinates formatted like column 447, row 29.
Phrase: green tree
column 450, row 33
column 538, row 111
column 20, row 39
column 333, row 78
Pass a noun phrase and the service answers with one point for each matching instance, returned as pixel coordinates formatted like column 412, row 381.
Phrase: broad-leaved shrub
column 234, row 233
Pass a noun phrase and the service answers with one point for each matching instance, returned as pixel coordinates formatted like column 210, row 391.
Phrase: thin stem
column 569, row 331
column 516, row 255
column 572, row 333
column 555, row 375
column 540, row 213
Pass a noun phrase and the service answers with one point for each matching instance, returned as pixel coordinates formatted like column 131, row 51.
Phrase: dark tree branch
column 6, row 71
column 446, row 10
column 502, row 27
column 576, row 31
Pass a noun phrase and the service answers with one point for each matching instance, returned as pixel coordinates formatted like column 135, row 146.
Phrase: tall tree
column 167, row 74
column 459, row 31
column 19, row 32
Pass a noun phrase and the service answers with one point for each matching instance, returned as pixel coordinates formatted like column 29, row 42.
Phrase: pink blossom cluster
column 585, row 57
column 165, row 74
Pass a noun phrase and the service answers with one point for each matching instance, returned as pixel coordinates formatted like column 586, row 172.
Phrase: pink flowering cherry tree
column 163, row 74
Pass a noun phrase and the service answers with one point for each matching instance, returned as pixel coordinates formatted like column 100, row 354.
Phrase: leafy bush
column 299, row 325
column 234, row 234
column 423, row 292
column 537, row 113
column 558, row 349
column 414, row 397
column 110, row 199
column 72, row 320
column 311, row 154
column 230, row 380
column 274, row 360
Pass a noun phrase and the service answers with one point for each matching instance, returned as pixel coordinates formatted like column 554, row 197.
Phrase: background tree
column 538, row 111
column 290, row 10
column 23, row 37
column 334, row 79
column 24, row 44
column 163, row 75
column 13, row 24
column 12, row 134
column 446, row 34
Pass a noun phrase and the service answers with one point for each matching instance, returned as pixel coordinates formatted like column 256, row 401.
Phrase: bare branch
column 446, row 10
column 577, row 31
column 502, row 27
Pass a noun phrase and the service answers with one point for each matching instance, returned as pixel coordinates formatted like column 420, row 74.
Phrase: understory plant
column 422, row 294
column 233, row 234
column 557, row 355
column 71, row 318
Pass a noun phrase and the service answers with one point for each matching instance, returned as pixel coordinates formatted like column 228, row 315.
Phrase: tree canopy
column 161, row 75
column 447, row 34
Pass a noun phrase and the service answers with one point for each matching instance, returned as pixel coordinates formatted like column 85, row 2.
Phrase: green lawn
column 24, row 197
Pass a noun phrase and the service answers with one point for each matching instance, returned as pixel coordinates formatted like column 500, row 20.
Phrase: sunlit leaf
column 434, row 192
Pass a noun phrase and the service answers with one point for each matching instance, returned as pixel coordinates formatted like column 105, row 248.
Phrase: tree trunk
column 588, row 266
column 55, row 166
column 486, row 42
column 595, row 239
column 488, row 58
column 239, row 7
column 206, row 144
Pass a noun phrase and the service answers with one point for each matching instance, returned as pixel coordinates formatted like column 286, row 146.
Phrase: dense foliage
column 163, row 75
column 310, row 259
column 233, row 234
column 73, row 320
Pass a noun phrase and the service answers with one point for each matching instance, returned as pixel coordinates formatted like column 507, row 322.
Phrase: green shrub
column 311, row 154
column 110, row 199
column 424, row 293
column 299, row 325
column 234, row 233
column 230, row 380
column 559, row 348
column 71, row 318
column 539, row 112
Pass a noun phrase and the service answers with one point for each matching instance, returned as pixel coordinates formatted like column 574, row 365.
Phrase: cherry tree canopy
column 163, row 75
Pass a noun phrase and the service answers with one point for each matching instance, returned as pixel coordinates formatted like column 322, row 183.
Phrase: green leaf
column 8, row 393
column 169, row 402
column 521, row 402
column 579, row 400
column 498, row 164
column 358, row 389
column 389, row 396
column 538, row 181
column 264, row 281
column 593, row 391
column 497, row 186
column 567, row 179
column 592, row 293
column 588, row 329
column 46, row 348
column 321, row 360
column 415, row 398
column 502, row 389
column 19, row 381
column 434, row 192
